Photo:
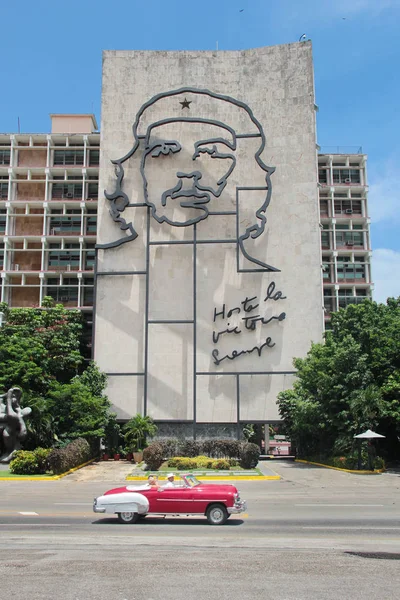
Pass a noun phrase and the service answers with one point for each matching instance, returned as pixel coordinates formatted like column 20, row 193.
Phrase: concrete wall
column 159, row 361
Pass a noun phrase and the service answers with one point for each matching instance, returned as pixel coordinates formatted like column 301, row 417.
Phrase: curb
column 47, row 477
column 308, row 462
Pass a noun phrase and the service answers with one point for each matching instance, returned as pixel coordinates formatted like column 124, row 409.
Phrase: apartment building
column 48, row 214
column 345, row 228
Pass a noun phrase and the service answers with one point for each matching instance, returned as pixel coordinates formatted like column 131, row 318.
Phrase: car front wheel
column 217, row 514
column 128, row 517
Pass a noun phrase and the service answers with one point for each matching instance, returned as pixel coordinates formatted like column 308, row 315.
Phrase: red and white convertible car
column 188, row 497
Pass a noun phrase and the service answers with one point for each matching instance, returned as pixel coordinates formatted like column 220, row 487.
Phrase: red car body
column 191, row 497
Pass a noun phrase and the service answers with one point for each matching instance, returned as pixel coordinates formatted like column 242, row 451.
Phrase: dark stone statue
column 12, row 425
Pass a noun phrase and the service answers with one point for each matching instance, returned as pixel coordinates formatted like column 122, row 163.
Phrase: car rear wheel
column 217, row 514
column 128, row 517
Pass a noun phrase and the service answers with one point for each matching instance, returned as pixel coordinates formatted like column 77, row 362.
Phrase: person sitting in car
column 170, row 481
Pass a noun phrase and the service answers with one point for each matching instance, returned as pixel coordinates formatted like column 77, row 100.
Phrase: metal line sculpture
column 188, row 188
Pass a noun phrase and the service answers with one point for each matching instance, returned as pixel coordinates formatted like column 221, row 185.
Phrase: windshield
column 192, row 481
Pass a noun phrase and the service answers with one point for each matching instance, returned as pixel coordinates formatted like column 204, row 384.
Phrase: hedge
column 235, row 452
column 76, row 453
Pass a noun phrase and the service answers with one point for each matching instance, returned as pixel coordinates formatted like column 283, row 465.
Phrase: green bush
column 185, row 463
column 74, row 454
column 30, row 462
column 190, row 448
column 221, row 464
column 379, row 463
column 153, row 456
column 204, row 462
column 233, row 462
column 249, row 455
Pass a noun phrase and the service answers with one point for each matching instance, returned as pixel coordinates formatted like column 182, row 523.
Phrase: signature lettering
column 249, row 322
column 235, row 354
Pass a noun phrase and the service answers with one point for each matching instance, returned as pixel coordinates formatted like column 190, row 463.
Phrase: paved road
column 302, row 539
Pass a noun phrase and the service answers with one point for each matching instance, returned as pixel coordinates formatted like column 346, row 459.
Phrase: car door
column 174, row 500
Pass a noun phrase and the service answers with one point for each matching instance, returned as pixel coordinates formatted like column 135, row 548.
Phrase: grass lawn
column 7, row 473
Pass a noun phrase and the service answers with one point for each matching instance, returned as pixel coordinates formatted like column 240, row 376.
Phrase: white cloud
column 384, row 193
column 385, row 274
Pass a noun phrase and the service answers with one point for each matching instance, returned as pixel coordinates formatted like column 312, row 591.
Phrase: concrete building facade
column 209, row 260
column 224, row 243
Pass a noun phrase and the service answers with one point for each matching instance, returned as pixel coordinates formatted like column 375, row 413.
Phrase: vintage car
column 189, row 496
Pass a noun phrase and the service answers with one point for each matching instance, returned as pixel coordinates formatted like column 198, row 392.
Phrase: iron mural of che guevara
column 187, row 142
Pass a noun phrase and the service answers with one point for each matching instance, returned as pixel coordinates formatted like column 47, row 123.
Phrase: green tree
column 40, row 352
column 349, row 383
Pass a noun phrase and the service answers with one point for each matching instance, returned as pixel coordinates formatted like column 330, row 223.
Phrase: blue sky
column 51, row 57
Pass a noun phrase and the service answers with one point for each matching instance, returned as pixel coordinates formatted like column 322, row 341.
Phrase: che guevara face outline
column 191, row 184
column 119, row 200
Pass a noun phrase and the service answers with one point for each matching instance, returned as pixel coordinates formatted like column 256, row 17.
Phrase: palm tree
column 136, row 431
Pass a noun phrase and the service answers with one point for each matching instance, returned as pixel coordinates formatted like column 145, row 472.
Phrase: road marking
column 29, row 514
column 343, row 505
column 355, row 528
column 34, row 525
column 73, row 503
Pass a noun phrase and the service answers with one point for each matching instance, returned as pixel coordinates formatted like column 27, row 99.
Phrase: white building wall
column 173, row 366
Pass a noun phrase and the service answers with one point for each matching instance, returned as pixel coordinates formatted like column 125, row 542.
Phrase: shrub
column 379, row 463
column 204, row 462
column 74, row 454
column 190, row 448
column 170, row 446
column 185, row 463
column 30, row 462
column 220, row 464
column 233, row 462
column 153, row 456
column 249, row 455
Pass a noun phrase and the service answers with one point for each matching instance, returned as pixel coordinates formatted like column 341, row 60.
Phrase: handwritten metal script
column 249, row 323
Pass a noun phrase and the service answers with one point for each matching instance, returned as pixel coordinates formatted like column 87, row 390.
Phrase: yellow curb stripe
column 308, row 462
column 229, row 477
column 46, row 477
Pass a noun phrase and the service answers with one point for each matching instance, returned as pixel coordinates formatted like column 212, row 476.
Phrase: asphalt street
column 316, row 533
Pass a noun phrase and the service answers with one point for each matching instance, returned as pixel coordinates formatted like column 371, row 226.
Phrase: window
column 1, row 256
column 70, row 223
column 325, row 237
column 323, row 175
column 347, row 237
column 350, row 271
column 87, row 292
column 326, row 268
column 348, row 207
column 65, row 259
column 346, row 176
column 94, row 158
column 67, row 190
column 3, row 218
column 323, row 208
column 67, row 292
column 3, row 190
column 5, row 157
column 89, row 257
column 93, row 190
column 68, row 157
column 91, row 221
column 329, row 300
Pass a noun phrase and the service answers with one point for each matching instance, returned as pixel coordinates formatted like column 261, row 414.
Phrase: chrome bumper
column 239, row 507
column 97, row 509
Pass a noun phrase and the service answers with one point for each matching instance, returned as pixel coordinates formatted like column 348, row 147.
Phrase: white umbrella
column 368, row 435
